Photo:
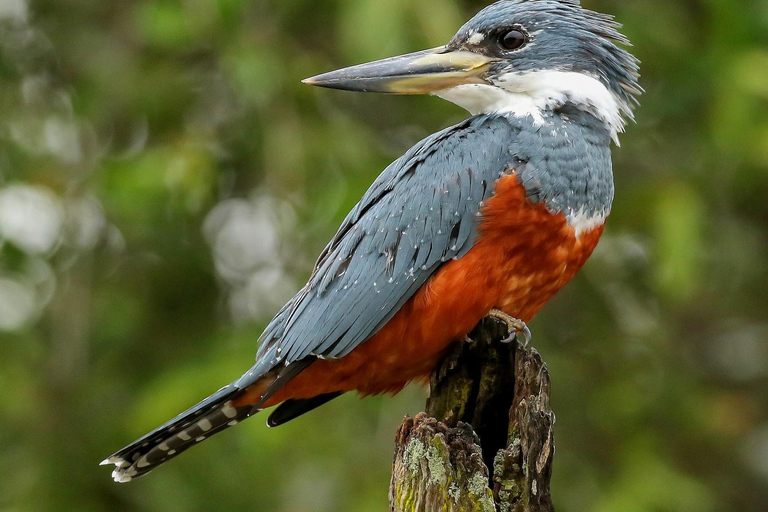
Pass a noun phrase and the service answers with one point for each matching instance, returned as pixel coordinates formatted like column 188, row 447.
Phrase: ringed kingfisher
column 491, row 216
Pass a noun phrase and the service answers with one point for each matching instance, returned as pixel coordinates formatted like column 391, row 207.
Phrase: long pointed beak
column 416, row 73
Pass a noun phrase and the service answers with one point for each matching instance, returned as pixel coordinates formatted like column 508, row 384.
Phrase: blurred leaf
column 163, row 23
column 679, row 230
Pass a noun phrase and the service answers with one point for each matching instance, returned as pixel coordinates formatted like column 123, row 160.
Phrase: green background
column 166, row 182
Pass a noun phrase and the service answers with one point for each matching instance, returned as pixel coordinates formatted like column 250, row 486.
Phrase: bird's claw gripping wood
column 486, row 440
column 515, row 327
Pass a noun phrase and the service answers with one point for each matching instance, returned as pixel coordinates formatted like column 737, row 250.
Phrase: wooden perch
column 485, row 442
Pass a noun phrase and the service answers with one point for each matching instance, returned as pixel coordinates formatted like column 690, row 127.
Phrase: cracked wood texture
column 485, row 441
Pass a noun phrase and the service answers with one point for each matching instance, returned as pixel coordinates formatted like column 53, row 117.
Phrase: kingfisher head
column 518, row 57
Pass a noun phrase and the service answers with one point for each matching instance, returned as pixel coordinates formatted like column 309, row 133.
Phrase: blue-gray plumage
column 440, row 238
column 423, row 211
column 420, row 212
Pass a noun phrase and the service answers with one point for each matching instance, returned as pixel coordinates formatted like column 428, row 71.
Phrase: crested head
column 517, row 57
column 559, row 52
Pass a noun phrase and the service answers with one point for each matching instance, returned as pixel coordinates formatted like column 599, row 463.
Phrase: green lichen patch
column 415, row 452
column 437, row 460
column 478, row 487
column 454, row 492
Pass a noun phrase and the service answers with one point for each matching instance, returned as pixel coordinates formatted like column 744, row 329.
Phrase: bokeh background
column 166, row 183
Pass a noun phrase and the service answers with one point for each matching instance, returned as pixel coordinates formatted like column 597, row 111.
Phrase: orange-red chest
column 530, row 253
column 522, row 257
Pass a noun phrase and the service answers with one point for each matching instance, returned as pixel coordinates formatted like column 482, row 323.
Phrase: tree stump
column 485, row 442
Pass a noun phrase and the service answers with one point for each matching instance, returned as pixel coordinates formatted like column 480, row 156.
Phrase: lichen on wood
column 485, row 443
column 439, row 468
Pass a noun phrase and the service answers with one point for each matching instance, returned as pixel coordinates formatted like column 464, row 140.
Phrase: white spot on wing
column 205, row 424
column 228, row 410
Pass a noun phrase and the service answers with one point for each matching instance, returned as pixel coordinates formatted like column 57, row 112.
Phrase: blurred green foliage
column 166, row 182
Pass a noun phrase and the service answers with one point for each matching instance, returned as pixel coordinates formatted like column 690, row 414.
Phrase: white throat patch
column 531, row 93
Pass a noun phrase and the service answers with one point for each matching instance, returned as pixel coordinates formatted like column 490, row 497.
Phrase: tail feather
column 212, row 415
column 292, row 409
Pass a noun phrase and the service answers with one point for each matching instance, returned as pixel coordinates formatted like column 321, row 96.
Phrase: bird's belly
column 522, row 257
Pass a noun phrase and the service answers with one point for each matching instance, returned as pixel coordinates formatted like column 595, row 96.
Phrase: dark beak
column 416, row 73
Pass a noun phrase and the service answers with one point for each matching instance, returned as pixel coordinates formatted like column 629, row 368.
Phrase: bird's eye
column 512, row 39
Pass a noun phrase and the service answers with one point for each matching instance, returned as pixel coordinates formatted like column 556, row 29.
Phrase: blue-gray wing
column 421, row 212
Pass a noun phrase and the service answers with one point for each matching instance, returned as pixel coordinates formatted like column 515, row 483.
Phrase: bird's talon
column 526, row 336
column 515, row 327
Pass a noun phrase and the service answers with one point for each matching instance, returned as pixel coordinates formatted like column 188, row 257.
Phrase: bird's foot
column 515, row 326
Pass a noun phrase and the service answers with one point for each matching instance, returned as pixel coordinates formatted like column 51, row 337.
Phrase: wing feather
column 421, row 212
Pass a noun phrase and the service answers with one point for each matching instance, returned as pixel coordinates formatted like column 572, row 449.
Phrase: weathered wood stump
column 485, row 443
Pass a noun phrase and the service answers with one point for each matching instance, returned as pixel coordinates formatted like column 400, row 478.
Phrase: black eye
column 512, row 39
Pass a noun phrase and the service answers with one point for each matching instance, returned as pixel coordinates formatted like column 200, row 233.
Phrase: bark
column 485, row 441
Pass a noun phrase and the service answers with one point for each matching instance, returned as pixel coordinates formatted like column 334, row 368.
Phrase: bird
column 491, row 216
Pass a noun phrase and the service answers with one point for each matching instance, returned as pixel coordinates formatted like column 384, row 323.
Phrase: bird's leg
column 514, row 326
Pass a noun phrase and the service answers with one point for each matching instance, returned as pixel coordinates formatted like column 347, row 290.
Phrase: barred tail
column 212, row 415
